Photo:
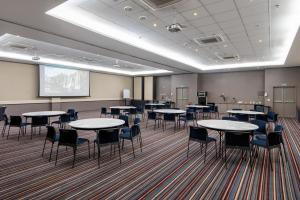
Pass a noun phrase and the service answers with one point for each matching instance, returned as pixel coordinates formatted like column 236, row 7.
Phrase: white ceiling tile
column 195, row 13
column 222, row 6
column 202, row 21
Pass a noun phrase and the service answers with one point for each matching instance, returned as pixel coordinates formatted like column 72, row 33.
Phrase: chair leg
column 119, row 152
column 44, row 148
column 98, row 146
column 205, row 152
column 56, row 155
column 31, row 133
column 122, row 143
column 51, row 152
column 147, row 123
column 216, row 149
column 188, row 149
column 132, row 147
column 141, row 143
column 3, row 130
column 270, row 159
column 74, row 152
column 8, row 132
column 89, row 149
column 94, row 150
column 19, row 133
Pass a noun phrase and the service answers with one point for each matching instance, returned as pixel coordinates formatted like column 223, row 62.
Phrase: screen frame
column 65, row 67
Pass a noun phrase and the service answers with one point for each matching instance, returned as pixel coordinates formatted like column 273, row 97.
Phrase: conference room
column 150, row 99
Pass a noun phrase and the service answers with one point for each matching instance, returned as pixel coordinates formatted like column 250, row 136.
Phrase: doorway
column 284, row 101
column 182, row 97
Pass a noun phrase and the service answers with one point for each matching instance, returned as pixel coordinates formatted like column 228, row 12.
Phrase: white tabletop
column 44, row 114
column 227, row 125
column 169, row 111
column 96, row 123
column 122, row 107
column 155, row 104
column 245, row 112
column 196, row 106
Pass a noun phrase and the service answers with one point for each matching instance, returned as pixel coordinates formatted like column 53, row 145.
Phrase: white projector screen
column 63, row 82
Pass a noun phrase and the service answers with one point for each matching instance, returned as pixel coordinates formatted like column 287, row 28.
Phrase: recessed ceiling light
column 195, row 14
column 142, row 18
column 260, row 41
column 225, row 45
column 155, row 25
column 128, row 8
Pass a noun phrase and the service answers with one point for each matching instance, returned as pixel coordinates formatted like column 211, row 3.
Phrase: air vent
column 230, row 57
column 209, row 40
column 158, row 4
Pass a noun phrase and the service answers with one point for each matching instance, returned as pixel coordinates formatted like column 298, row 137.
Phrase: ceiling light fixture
column 128, row 8
column 155, row 25
column 195, row 14
column 260, row 41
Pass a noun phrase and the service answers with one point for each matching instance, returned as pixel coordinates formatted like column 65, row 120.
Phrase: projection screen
column 63, row 82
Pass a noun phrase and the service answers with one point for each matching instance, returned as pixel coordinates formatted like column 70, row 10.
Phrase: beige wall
column 163, row 87
column 244, row 86
column 185, row 80
column 137, row 93
column 148, row 88
column 19, row 84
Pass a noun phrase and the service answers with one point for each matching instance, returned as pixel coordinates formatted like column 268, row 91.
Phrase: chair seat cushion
column 81, row 140
column 259, row 142
column 125, row 133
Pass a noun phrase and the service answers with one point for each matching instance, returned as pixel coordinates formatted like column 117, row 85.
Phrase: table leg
column 221, row 146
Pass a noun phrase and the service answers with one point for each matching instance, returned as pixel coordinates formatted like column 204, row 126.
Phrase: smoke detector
column 175, row 28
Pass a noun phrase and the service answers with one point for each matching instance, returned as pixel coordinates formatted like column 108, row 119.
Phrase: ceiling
column 254, row 32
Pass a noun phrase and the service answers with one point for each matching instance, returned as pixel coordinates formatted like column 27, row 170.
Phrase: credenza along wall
column 19, row 90
column 245, row 86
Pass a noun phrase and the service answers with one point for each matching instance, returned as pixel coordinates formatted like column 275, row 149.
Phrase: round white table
column 169, row 111
column 96, row 124
column 44, row 114
column 154, row 104
column 122, row 107
column 245, row 112
column 197, row 106
column 226, row 125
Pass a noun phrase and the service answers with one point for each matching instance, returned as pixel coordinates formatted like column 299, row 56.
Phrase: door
column 284, row 101
column 182, row 97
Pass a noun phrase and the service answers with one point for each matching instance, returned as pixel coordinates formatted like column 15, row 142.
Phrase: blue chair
column 131, row 134
column 262, row 128
column 169, row 118
column 104, row 112
column 272, row 117
column 262, row 117
column 69, row 138
column 52, row 137
column 229, row 118
column 125, row 118
column 38, row 122
column 242, row 118
column 107, row 136
column 137, row 121
column 73, row 114
column 187, row 117
column 237, row 140
column 271, row 141
column 200, row 135
column 62, row 121
column 114, row 112
column 152, row 116
column 16, row 121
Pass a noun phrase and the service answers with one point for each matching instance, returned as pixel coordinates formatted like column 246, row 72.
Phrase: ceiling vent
column 158, row 4
column 215, row 39
column 18, row 46
column 230, row 57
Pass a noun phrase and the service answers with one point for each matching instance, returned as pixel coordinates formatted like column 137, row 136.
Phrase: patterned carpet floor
column 161, row 171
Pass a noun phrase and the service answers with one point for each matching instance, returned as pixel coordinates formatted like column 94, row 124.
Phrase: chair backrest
column 190, row 110
column 135, row 130
column 273, row 116
column 140, row 108
column 64, row 118
column 148, row 107
column 262, row 117
column 190, row 116
column 103, row 110
column 278, row 128
column 39, row 120
column 5, row 119
column 15, row 120
column 108, row 136
column 132, row 111
column 51, row 133
column 73, row 114
column 115, row 111
column 2, row 112
column 137, row 121
column 125, row 118
column 262, row 126
column 229, row 118
column 206, row 109
column 274, row 139
column 237, row 139
column 68, row 137
column 169, row 117
column 243, row 118
column 151, row 115
column 198, row 133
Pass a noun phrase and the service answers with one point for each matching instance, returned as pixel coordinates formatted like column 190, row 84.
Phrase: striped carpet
column 160, row 171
